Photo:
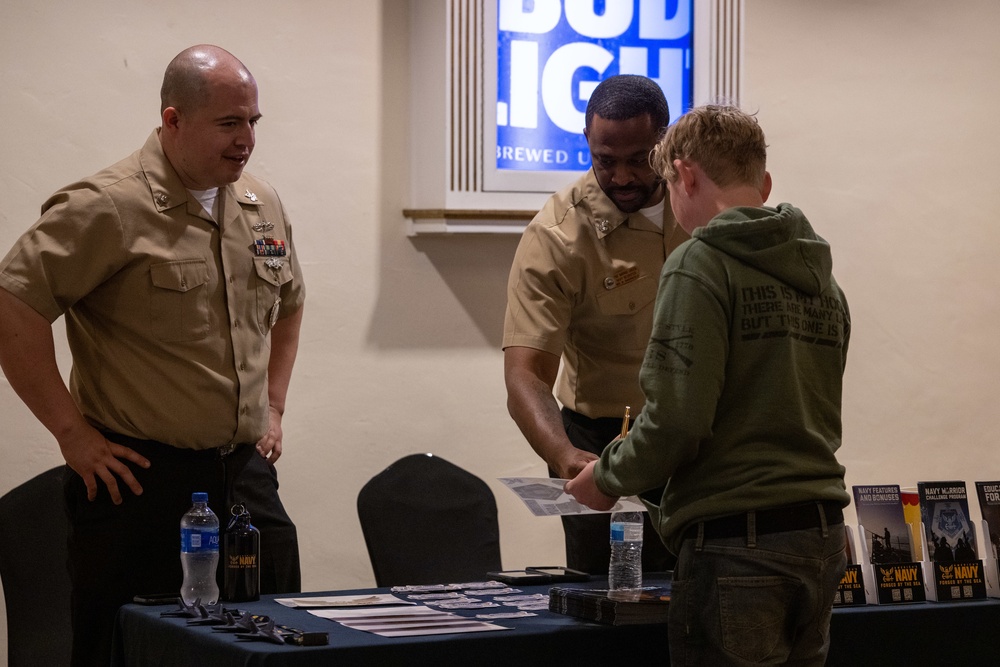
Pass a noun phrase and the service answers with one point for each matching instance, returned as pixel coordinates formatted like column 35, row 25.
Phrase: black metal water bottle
column 241, row 558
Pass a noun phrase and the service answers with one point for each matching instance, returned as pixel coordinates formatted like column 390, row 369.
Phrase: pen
column 625, row 422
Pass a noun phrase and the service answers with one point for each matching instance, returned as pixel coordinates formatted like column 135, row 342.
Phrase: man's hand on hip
column 94, row 458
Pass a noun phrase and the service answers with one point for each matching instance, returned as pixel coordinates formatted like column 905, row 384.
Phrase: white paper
column 544, row 496
column 405, row 621
column 342, row 600
column 369, row 612
column 470, row 626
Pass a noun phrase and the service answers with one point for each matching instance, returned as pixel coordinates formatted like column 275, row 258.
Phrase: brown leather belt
column 772, row 520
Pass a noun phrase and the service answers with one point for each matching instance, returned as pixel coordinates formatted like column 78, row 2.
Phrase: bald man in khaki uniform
column 183, row 299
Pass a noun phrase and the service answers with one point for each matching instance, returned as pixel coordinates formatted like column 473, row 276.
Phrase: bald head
column 209, row 116
column 186, row 82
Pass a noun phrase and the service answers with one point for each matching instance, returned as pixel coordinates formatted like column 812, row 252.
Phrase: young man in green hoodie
column 742, row 378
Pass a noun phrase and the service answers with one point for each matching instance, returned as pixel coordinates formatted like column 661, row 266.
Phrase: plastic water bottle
column 200, row 552
column 625, row 569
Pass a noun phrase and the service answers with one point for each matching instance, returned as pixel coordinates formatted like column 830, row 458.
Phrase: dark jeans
column 588, row 536
column 117, row 552
column 757, row 598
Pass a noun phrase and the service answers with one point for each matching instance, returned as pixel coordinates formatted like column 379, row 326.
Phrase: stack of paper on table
column 595, row 605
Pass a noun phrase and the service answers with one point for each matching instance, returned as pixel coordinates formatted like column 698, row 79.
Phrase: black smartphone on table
column 560, row 573
column 156, row 598
column 539, row 575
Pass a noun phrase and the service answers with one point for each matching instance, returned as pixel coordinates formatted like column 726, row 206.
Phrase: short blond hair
column 727, row 144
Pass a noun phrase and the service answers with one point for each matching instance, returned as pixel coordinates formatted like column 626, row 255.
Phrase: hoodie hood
column 779, row 242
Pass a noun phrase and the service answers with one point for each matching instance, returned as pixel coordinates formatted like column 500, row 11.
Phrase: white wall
column 879, row 116
column 881, row 121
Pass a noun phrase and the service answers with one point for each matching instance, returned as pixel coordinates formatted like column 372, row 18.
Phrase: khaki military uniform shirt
column 582, row 285
column 168, row 312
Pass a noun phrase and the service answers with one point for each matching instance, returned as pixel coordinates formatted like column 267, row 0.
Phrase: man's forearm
column 284, row 348
column 530, row 375
column 535, row 411
column 28, row 359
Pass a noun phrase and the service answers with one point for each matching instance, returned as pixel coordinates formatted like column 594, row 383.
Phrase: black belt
column 149, row 447
column 773, row 520
column 600, row 424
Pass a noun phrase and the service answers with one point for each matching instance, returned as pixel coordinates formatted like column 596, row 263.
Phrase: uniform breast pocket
column 272, row 273
column 179, row 300
column 628, row 313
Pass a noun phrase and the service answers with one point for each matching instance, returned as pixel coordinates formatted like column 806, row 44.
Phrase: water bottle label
column 199, row 541
column 626, row 532
column 241, row 561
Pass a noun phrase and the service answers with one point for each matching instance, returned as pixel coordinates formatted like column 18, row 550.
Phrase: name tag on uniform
column 623, row 277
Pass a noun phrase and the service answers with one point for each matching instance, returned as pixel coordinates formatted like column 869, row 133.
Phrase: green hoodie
column 742, row 375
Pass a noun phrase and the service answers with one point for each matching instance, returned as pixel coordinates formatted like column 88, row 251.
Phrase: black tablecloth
column 910, row 634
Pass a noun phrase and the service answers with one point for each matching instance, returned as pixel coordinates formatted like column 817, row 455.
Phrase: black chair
column 427, row 521
column 36, row 586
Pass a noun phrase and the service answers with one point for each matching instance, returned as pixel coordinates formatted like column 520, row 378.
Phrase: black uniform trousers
column 119, row 551
column 588, row 536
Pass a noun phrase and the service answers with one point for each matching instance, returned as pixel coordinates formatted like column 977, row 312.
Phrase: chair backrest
column 427, row 521
column 36, row 586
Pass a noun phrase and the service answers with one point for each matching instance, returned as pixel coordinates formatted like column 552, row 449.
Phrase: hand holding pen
column 583, row 487
column 625, row 421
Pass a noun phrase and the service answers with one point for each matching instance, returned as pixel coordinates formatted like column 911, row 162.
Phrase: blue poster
column 551, row 54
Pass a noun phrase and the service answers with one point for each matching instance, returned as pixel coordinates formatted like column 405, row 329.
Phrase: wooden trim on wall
column 467, row 214
column 466, row 221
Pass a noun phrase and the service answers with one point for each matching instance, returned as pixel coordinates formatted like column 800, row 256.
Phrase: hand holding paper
column 584, row 489
column 545, row 496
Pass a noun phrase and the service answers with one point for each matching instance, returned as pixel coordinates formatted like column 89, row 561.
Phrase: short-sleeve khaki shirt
column 168, row 312
column 582, row 285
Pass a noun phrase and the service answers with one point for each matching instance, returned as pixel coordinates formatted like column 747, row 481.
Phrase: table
column 918, row 633
column 909, row 634
column 142, row 637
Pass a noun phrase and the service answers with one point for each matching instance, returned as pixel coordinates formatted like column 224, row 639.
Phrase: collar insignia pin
column 162, row 199
column 251, row 196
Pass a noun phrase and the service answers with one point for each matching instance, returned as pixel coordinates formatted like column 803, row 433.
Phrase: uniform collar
column 606, row 217
column 168, row 191
column 240, row 195
column 165, row 185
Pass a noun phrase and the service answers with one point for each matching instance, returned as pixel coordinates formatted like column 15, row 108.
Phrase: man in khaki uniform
column 581, row 289
column 183, row 299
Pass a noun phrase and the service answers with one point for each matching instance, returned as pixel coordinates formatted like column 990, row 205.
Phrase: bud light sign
column 551, row 54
